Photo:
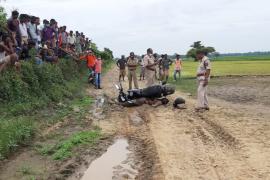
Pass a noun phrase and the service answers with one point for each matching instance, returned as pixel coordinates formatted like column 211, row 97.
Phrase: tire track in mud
column 224, row 146
column 130, row 123
column 216, row 132
column 133, row 125
column 178, row 144
column 206, row 148
column 145, row 149
column 181, row 144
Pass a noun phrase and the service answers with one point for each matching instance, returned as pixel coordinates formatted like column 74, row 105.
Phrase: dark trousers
column 98, row 79
column 175, row 73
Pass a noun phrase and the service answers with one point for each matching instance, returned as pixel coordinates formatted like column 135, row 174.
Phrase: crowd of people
column 47, row 42
column 154, row 68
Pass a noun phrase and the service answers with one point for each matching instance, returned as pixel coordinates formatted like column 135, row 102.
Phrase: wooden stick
column 74, row 57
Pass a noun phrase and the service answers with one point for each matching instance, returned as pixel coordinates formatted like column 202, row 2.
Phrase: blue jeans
column 177, row 72
column 98, row 79
column 38, row 60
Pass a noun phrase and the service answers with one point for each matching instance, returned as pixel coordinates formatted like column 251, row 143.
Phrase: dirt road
column 229, row 142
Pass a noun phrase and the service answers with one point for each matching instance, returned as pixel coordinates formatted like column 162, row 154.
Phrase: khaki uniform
column 122, row 72
column 132, row 73
column 122, row 67
column 202, row 99
column 149, row 73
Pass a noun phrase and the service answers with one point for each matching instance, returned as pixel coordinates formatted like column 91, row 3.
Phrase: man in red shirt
column 98, row 65
column 91, row 61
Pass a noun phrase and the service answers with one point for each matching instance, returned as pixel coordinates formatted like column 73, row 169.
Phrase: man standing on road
column 121, row 63
column 160, row 70
column 132, row 64
column 178, row 67
column 142, row 72
column 157, row 68
column 203, row 76
column 165, row 63
column 150, row 67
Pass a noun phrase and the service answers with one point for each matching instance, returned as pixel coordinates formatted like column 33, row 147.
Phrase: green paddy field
column 223, row 66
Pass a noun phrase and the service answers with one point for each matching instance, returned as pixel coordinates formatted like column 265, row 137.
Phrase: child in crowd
column 98, row 65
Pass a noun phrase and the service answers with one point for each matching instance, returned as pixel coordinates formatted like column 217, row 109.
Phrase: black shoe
column 207, row 108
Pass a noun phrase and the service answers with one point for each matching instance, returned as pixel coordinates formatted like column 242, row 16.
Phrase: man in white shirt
column 32, row 29
column 23, row 29
column 71, row 38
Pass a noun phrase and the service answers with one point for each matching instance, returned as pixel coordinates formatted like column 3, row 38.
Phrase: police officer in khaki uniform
column 150, row 67
column 203, row 76
column 132, row 64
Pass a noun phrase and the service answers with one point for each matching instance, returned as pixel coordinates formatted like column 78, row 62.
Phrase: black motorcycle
column 152, row 92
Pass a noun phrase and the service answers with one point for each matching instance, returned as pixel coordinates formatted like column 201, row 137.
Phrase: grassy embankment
column 223, row 66
column 39, row 97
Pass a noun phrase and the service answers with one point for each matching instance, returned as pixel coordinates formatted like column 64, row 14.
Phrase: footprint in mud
column 98, row 110
column 135, row 118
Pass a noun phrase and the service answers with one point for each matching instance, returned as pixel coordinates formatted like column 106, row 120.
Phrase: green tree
column 107, row 50
column 198, row 46
column 3, row 17
column 192, row 53
column 216, row 54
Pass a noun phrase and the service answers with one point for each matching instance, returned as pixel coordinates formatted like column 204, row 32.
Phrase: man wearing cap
column 150, row 67
column 132, row 64
column 203, row 76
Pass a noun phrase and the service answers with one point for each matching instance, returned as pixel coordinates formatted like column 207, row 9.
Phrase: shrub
column 13, row 132
column 13, row 88
column 69, row 69
column 37, row 85
column 30, row 77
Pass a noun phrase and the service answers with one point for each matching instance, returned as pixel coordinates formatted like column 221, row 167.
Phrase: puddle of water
column 104, row 168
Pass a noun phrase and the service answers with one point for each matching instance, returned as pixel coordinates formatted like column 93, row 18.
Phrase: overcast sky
column 169, row 26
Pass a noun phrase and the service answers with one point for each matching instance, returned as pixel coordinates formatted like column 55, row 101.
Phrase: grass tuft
column 13, row 133
column 64, row 148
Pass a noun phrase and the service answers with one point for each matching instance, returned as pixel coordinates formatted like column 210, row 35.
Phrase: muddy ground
column 244, row 90
column 231, row 141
